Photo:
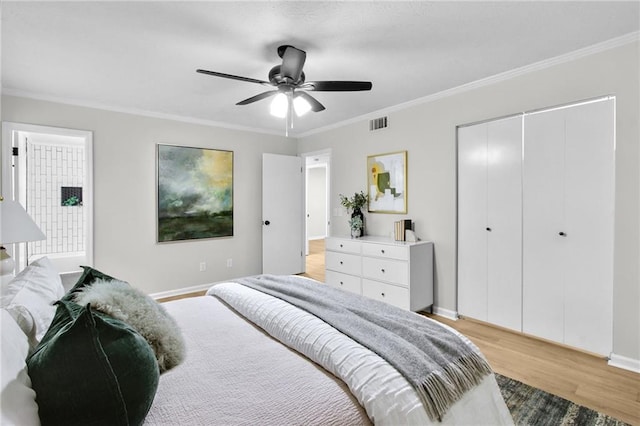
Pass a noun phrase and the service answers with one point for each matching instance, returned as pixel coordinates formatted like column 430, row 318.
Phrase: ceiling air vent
column 378, row 123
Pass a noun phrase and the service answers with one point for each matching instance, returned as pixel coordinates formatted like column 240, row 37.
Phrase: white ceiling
column 142, row 56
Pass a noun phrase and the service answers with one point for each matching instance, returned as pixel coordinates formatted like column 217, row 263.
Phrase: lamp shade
column 280, row 105
column 16, row 225
column 301, row 106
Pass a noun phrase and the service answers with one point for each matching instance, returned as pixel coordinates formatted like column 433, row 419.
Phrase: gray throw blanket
column 439, row 365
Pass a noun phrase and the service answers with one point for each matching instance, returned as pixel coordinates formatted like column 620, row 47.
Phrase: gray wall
column 428, row 132
column 124, row 189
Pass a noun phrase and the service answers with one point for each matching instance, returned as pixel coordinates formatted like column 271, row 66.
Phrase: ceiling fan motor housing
column 276, row 78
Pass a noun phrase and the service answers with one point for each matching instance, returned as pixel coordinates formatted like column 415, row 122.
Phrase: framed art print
column 194, row 193
column 387, row 182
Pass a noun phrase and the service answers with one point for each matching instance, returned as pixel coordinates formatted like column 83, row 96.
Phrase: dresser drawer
column 346, row 282
column 385, row 251
column 393, row 271
column 343, row 262
column 394, row 295
column 343, row 245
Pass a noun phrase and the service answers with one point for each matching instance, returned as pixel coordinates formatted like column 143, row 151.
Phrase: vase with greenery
column 354, row 206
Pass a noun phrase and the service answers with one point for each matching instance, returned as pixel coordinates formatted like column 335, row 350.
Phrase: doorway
column 317, row 204
column 49, row 170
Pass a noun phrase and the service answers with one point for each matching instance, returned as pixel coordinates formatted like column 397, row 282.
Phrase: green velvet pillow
column 91, row 369
column 89, row 275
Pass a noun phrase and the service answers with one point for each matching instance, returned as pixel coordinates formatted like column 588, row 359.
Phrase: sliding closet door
column 489, row 221
column 568, row 225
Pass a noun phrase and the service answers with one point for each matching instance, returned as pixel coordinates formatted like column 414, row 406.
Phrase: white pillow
column 29, row 298
column 17, row 398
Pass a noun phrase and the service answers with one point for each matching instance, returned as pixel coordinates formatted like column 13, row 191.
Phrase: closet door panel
column 589, row 201
column 472, row 218
column 504, row 221
column 543, row 220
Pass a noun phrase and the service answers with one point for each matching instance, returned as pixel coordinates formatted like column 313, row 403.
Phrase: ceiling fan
column 289, row 81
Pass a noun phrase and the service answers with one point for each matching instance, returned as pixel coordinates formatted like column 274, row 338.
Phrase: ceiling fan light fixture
column 280, row 105
column 301, row 106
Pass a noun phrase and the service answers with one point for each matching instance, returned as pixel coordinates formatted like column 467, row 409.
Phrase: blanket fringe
column 439, row 391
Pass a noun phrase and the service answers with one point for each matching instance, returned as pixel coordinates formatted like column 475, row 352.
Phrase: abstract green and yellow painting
column 195, row 193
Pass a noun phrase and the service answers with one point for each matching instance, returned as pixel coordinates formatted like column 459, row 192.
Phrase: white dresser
column 396, row 272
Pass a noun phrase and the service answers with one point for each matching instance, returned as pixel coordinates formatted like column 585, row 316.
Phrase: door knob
column 266, row 222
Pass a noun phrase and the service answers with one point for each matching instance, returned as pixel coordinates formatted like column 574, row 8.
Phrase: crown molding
column 507, row 75
column 134, row 111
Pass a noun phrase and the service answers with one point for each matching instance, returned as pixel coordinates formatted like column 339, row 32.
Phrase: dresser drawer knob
column 341, row 283
column 382, row 294
column 382, row 270
column 341, row 246
column 341, row 262
column 382, row 251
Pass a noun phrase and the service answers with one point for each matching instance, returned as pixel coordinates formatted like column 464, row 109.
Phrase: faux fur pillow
column 119, row 300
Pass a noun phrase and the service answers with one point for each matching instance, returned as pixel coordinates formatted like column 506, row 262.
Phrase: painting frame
column 194, row 193
column 387, row 182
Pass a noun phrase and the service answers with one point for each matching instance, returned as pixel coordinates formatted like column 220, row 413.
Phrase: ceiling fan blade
column 258, row 97
column 337, row 86
column 292, row 63
column 315, row 105
column 234, row 77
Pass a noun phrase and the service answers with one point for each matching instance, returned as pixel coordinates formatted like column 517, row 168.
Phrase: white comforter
column 236, row 374
column 386, row 396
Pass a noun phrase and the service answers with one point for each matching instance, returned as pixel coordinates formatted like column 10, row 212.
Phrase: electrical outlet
column 203, row 266
column 229, row 263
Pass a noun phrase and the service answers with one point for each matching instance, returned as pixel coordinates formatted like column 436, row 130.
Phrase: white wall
column 428, row 132
column 125, row 193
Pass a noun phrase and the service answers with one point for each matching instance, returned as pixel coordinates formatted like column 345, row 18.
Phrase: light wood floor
column 577, row 376
column 315, row 260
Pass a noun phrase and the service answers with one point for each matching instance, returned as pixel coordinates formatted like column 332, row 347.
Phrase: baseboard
column 452, row 315
column 180, row 291
column 624, row 362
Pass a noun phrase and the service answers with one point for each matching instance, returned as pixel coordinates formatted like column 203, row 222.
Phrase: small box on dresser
column 396, row 272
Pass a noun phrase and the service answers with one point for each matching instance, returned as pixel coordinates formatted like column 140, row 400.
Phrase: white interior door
column 589, row 211
column 472, row 221
column 543, row 220
column 504, row 222
column 282, row 215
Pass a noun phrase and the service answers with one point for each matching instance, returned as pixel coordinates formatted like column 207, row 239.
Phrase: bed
column 251, row 358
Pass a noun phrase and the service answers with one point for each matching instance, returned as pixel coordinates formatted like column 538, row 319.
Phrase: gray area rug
column 531, row 406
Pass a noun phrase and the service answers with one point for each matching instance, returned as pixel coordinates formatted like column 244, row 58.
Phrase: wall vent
column 378, row 123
